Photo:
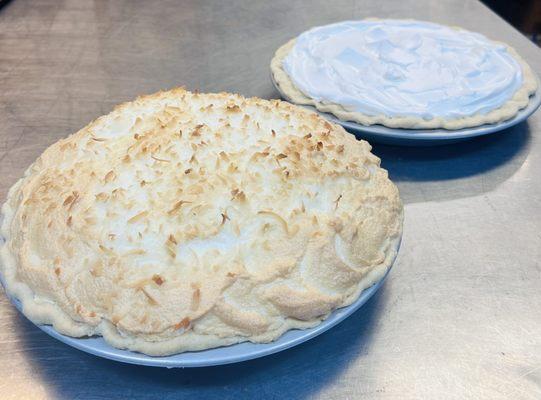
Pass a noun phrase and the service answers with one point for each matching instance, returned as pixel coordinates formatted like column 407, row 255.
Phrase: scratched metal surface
column 459, row 316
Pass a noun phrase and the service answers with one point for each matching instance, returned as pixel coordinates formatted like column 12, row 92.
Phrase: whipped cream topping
column 403, row 68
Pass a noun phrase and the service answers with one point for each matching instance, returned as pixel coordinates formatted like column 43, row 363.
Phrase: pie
column 404, row 74
column 185, row 221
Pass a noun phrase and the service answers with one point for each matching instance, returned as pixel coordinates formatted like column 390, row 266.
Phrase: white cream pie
column 185, row 221
column 404, row 74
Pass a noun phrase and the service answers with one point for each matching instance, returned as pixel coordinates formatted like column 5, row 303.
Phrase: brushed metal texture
column 459, row 316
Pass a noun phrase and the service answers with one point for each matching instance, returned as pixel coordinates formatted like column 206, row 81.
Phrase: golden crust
column 508, row 110
column 184, row 221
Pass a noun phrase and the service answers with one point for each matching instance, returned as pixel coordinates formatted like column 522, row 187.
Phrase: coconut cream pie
column 404, row 73
column 185, row 221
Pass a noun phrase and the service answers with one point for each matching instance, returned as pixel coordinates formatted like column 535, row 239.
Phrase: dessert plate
column 426, row 137
column 218, row 356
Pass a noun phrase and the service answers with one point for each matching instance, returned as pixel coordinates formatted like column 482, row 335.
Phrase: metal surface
column 426, row 137
column 459, row 316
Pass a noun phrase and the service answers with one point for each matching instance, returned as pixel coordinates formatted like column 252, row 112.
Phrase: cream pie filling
column 409, row 71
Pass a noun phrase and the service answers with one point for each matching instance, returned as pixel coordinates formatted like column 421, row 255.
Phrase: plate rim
column 436, row 135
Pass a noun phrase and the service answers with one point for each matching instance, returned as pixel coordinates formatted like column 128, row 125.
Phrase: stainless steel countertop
column 460, row 314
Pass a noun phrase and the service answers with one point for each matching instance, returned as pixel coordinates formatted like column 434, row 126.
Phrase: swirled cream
column 403, row 68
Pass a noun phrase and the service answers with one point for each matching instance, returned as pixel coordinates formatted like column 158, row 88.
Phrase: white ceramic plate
column 426, row 137
column 222, row 355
